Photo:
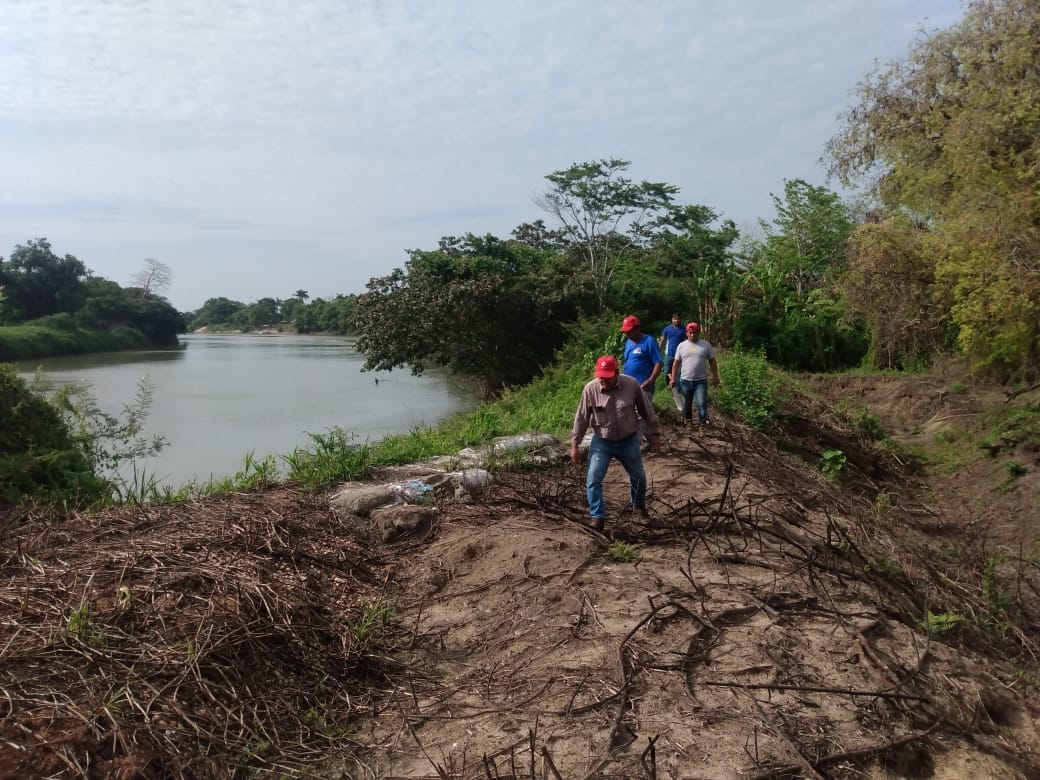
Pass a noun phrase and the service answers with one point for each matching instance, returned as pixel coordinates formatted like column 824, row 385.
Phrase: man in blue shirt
column 642, row 355
column 671, row 337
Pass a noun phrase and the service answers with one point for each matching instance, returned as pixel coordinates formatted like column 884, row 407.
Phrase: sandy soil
column 769, row 628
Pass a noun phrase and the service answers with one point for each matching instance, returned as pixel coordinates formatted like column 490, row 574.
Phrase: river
column 224, row 396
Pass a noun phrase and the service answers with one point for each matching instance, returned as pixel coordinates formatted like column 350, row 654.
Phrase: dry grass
column 182, row 641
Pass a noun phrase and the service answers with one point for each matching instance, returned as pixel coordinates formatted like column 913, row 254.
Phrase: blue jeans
column 629, row 456
column 694, row 391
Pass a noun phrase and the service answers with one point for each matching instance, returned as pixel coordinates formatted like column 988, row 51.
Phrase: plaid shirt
column 612, row 414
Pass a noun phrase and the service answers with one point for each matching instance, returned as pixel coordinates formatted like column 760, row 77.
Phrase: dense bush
column 39, row 458
column 751, row 390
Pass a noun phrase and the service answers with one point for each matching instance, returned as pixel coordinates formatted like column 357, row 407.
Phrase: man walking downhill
column 671, row 337
column 642, row 361
column 693, row 358
column 613, row 405
column 642, row 355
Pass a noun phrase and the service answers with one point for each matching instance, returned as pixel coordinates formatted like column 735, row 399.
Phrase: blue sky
column 262, row 147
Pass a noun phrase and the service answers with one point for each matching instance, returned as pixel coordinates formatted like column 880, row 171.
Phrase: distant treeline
column 51, row 305
column 297, row 313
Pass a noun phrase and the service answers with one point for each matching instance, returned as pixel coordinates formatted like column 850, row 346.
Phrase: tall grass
column 30, row 342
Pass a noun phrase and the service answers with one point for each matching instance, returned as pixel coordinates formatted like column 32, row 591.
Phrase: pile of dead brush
column 232, row 633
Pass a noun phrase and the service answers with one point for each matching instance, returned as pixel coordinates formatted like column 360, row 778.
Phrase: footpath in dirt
column 761, row 622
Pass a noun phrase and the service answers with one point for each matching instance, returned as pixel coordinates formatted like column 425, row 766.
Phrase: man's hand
column 575, row 455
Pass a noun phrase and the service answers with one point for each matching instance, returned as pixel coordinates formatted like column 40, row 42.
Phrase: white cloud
column 262, row 147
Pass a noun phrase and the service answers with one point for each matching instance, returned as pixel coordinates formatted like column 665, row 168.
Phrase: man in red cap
column 642, row 360
column 614, row 406
column 642, row 355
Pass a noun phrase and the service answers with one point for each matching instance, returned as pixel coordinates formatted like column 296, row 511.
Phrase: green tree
column 108, row 306
column 691, row 268
column 889, row 262
column 215, row 312
column 36, row 282
column 605, row 215
column 478, row 306
column 790, row 304
column 263, row 313
column 950, row 135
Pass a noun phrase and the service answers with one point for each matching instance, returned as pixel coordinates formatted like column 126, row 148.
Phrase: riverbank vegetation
column 937, row 257
column 51, row 305
column 923, row 267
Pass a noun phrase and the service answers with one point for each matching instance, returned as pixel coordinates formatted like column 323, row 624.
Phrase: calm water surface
column 225, row 396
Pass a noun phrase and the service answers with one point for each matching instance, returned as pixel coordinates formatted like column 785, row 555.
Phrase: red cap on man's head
column 692, row 326
column 630, row 322
column 606, row 367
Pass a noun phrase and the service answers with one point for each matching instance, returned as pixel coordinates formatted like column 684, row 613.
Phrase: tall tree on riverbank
column 605, row 215
column 950, row 137
column 479, row 306
column 36, row 282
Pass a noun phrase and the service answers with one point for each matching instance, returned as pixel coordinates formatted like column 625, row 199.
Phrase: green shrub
column 833, row 463
column 40, row 458
column 937, row 624
column 334, row 457
column 751, row 390
column 624, row 552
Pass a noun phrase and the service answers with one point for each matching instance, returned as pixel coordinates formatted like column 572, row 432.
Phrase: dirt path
column 752, row 638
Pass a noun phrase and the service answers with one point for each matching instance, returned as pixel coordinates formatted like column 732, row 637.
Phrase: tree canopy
column 477, row 305
column 36, row 282
column 949, row 138
column 604, row 214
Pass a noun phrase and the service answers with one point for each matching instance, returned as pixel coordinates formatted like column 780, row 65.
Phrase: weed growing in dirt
column 833, row 464
column 941, row 623
column 883, row 567
column 418, row 444
column 998, row 599
column 1014, row 470
column 79, row 625
column 1010, row 426
column 623, row 552
column 862, row 422
column 882, row 505
column 253, row 756
column 364, row 629
column 957, row 388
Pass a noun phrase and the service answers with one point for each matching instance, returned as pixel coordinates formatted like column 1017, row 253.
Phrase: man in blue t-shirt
column 642, row 355
column 671, row 337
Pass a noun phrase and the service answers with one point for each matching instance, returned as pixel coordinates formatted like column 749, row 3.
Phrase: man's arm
column 656, row 372
column 713, row 364
column 674, row 376
column 646, row 410
column 580, row 426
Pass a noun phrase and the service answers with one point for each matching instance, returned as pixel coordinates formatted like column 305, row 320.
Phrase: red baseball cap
column 692, row 326
column 606, row 367
column 630, row 322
